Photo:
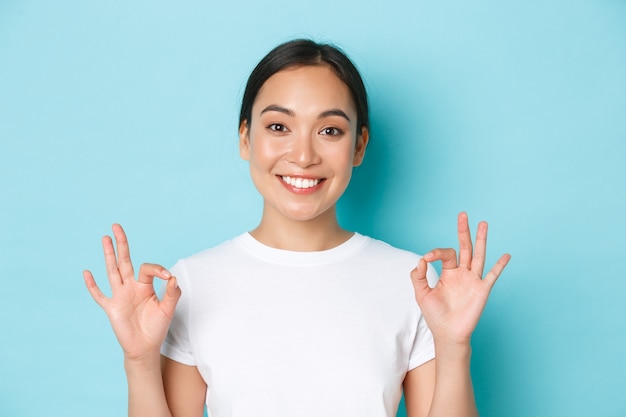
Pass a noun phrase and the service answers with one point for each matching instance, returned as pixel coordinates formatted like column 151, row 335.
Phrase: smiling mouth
column 302, row 183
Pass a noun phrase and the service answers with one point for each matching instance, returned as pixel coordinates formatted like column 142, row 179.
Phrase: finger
column 147, row 272
column 447, row 257
column 480, row 252
column 420, row 283
column 110, row 262
column 95, row 292
column 465, row 241
column 124, row 263
column 171, row 297
column 497, row 269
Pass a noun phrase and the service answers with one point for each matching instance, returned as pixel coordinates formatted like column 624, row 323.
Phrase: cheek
column 263, row 152
column 344, row 156
column 259, row 148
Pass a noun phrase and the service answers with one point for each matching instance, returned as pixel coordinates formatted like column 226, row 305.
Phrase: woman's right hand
column 139, row 319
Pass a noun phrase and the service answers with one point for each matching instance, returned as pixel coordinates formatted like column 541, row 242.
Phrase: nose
column 304, row 151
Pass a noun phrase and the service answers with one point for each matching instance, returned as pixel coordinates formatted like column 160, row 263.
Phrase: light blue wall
column 126, row 111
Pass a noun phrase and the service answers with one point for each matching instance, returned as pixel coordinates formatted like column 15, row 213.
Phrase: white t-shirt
column 278, row 333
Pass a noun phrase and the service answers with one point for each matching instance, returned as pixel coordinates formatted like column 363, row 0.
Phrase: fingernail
column 166, row 273
column 429, row 255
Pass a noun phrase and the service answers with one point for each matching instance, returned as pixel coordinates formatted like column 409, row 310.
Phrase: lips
column 301, row 183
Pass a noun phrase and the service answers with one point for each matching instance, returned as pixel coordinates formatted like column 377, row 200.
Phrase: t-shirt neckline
column 294, row 258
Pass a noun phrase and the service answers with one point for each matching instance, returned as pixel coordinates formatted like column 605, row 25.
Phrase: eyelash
column 336, row 131
column 327, row 131
column 277, row 127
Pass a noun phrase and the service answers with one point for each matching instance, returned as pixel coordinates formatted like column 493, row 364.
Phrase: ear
column 244, row 141
column 361, row 144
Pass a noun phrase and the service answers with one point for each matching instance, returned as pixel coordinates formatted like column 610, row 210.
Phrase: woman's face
column 302, row 142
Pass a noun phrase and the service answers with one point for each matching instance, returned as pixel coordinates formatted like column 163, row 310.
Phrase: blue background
column 126, row 111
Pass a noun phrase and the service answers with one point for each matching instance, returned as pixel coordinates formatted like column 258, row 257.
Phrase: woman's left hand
column 453, row 307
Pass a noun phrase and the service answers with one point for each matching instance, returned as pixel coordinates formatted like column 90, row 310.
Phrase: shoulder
column 390, row 258
column 385, row 252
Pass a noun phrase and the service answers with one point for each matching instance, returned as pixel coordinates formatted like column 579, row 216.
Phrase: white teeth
column 301, row 182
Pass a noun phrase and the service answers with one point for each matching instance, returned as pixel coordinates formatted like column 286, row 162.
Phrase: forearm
column 454, row 393
column 146, row 396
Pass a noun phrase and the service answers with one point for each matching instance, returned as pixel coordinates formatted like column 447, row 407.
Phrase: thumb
column 420, row 283
column 171, row 297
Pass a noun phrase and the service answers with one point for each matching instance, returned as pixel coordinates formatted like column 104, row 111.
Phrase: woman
column 300, row 317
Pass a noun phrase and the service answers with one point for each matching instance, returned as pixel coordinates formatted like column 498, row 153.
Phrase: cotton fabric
column 282, row 333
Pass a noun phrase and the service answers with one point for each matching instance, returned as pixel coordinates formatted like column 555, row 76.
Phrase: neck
column 320, row 233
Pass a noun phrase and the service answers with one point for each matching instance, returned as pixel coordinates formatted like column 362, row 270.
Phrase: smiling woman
column 302, row 143
column 301, row 317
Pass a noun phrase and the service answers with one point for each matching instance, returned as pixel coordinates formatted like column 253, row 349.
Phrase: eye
column 277, row 127
column 331, row 131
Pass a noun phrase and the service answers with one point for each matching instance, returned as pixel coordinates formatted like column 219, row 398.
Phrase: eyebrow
column 334, row 112
column 274, row 107
column 327, row 113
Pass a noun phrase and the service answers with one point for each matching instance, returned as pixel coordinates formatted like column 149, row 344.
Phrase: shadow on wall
column 396, row 163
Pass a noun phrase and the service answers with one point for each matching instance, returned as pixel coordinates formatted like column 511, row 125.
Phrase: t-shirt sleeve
column 423, row 346
column 177, row 344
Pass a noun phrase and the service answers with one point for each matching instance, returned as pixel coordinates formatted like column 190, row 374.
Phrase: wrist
column 145, row 362
column 452, row 350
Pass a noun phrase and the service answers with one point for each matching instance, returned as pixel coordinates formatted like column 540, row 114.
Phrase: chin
column 304, row 215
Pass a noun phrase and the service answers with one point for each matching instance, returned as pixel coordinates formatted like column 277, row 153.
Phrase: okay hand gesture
column 453, row 307
column 139, row 319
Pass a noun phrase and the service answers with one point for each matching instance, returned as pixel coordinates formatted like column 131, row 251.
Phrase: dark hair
column 306, row 52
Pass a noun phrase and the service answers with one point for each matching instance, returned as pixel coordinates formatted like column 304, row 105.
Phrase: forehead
column 306, row 86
